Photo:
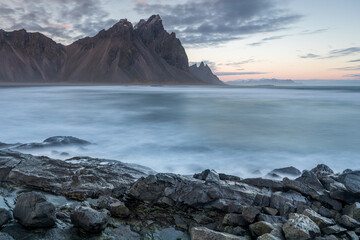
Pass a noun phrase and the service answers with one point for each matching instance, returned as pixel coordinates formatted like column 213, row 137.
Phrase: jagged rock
column 262, row 182
column 352, row 235
column 322, row 170
column 271, row 219
column 202, row 233
column 353, row 211
column 335, row 229
column 34, row 211
column 282, row 201
column 115, row 207
column 351, row 181
column 58, row 141
column 270, row 211
column 287, row 171
column 268, row 236
column 176, row 190
column 204, row 73
column 348, row 222
column 90, row 220
column 300, row 227
column 234, row 219
column 310, row 179
column 307, row 190
column 347, row 170
column 318, row 219
column 260, row 228
column 208, row 175
column 227, row 177
column 249, row 213
column 77, row 178
column 5, row 236
column 5, row 216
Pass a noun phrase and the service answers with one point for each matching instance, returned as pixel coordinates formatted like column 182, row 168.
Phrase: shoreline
column 138, row 203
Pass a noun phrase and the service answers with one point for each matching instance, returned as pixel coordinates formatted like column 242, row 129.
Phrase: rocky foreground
column 88, row 198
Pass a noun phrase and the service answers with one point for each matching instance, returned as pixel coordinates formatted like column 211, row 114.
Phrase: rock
column 353, row 211
column 5, row 216
column 32, row 210
column 5, row 236
column 283, row 200
column 260, row 228
column 77, row 178
column 340, row 192
column 262, row 182
column 176, row 190
column 204, row 73
column 326, row 212
column 348, row 222
column 307, row 190
column 351, row 181
column 208, row 175
column 268, row 236
column 250, row 213
column 271, row 219
column 202, row 233
column 238, row 231
column 288, row 171
column 335, row 229
column 322, row 170
column 226, row 177
column 115, row 207
column 90, row 220
column 270, row 211
column 352, row 235
column 58, row 141
column 347, row 170
column 310, row 179
column 318, row 219
column 300, row 227
column 234, row 219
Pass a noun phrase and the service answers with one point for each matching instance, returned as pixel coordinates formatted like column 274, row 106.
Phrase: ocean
column 186, row 129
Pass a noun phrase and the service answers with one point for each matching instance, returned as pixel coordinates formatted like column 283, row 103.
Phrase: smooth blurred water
column 186, row 129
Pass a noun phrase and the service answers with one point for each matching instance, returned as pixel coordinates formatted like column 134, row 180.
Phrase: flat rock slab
column 77, row 178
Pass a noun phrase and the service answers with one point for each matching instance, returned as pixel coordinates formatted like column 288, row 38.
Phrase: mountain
column 263, row 81
column 144, row 54
column 204, row 73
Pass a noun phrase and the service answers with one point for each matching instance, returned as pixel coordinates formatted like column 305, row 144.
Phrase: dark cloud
column 355, row 60
column 310, row 55
column 63, row 20
column 353, row 68
column 238, row 73
column 213, row 22
column 343, row 52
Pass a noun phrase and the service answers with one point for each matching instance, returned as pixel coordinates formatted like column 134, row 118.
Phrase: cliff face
column 204, row 73
column 29, row 56
column 146, row 54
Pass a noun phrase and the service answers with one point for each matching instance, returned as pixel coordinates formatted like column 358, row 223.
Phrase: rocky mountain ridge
column 204, row 73
column 123, row 54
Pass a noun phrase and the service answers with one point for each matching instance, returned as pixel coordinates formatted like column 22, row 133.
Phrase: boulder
column 283, row 200
column 335, row 229
column 287, row 171
column 318, row 219
column 202, row 233
column 249, row 213
column 234, row 219
column 353, row 211
column 260, row 228
column 322, row 170
column 5, row 216
column 300, row 227
column 115, row 206
column 208, row 175
column 351, row 180
column 32, row 210
column 310, row 179
column 352, row 235
column 340, row 192
column 90, row 220
column 270, row 211
column 348, row 222
column 271, row 219
column 226, row 177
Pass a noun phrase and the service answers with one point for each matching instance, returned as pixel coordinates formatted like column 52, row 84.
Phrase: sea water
column 236, row 130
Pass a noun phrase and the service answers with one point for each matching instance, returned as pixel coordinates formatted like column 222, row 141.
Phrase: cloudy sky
column 239, row 39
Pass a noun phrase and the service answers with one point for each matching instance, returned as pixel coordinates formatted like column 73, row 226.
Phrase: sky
column 239, row 39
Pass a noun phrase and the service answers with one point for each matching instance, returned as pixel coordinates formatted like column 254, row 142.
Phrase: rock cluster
column 136, row 203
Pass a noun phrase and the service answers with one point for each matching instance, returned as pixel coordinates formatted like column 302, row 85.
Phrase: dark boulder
column 322, row 170
column 348, row 222
column 310, row 179
column 300, row 227
column 114, row 206
column 208, row 175
column 5, row 216
column 351, row 180
column 286, row 171
column 90, row 220
column 34, row 211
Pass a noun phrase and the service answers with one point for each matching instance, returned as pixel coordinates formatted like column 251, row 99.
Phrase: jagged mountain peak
column 204, row 73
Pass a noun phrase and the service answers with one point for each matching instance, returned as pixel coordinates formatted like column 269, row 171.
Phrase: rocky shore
column 90, row 198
